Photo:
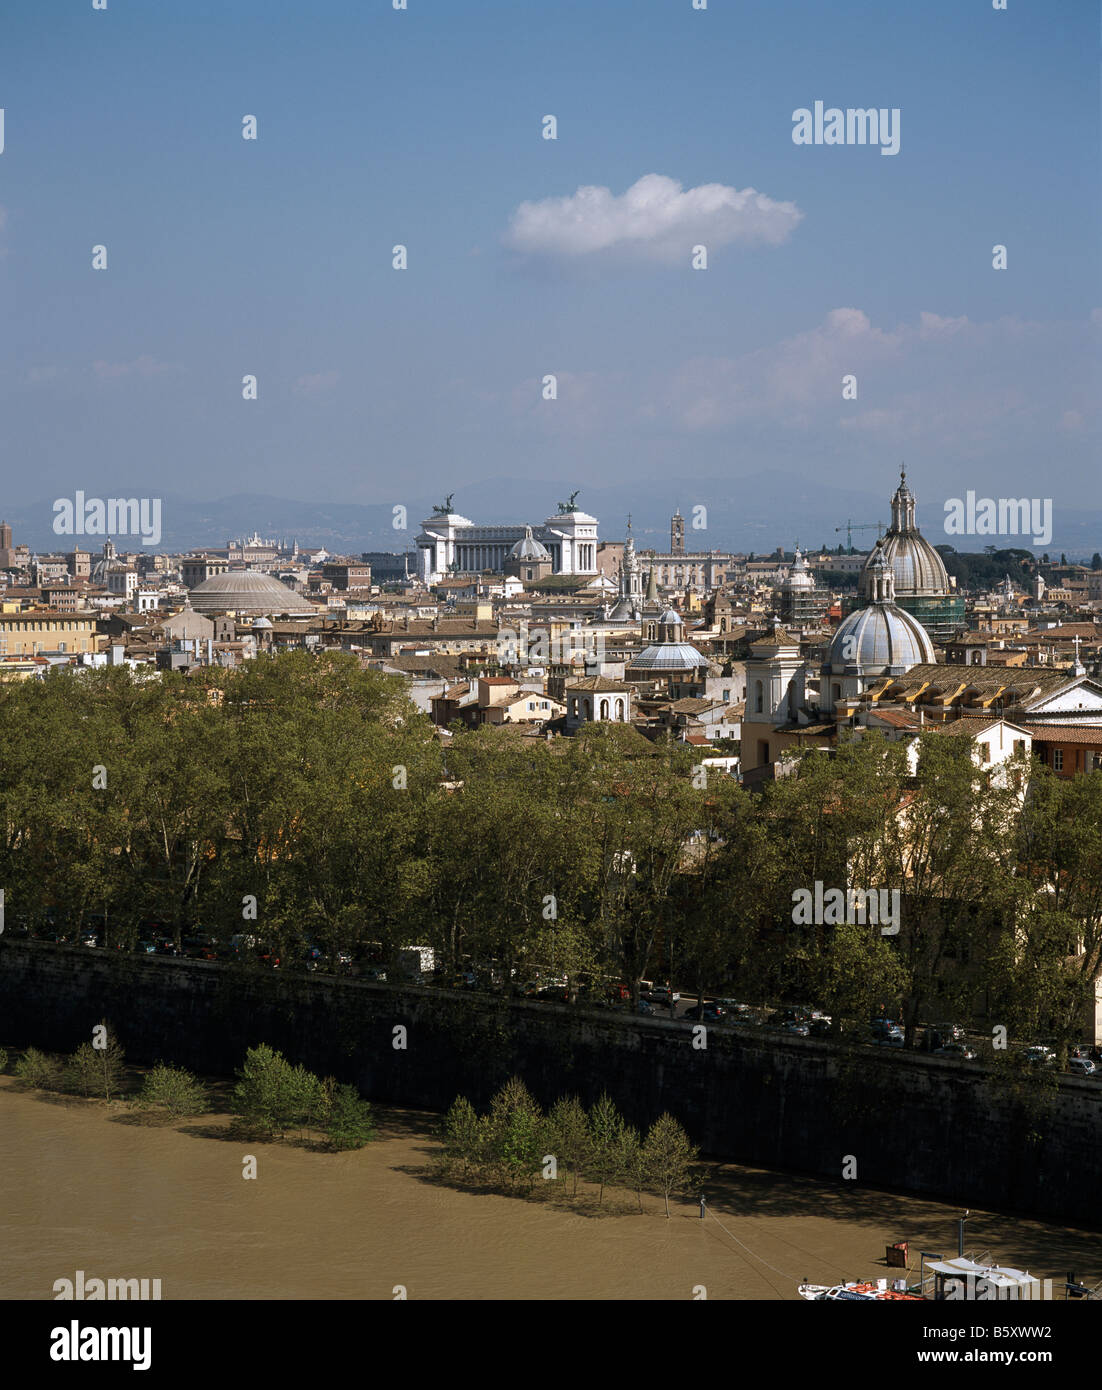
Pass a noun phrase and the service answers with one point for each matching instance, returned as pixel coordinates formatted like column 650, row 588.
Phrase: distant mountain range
column 753, row 513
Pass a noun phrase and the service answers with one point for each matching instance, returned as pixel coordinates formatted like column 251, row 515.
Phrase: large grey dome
column 879, row 640
column 247, row 592
column 918, row 569
column 666, row 658
column 669, row 654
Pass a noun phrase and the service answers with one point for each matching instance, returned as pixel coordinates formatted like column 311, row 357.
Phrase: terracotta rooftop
column 896, row 719
column 598, row 685
column 779, row 636
column 1066, row 733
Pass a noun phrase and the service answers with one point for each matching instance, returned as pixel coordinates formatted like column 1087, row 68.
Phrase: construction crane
column 852, row 526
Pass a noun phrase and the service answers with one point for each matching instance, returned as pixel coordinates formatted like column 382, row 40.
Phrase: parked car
column 645, row 1007
column 820, row 1028
column 797, row 1026
column 1038, row 1056
column 795, row 1014
column 662, row 995
column 736, row 1011
column 1081, row 1066
column 706, row 1013
column 955, row 1049
column 887, row 1032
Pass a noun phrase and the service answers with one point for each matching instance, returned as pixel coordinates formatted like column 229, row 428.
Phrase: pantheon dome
column 249, row 593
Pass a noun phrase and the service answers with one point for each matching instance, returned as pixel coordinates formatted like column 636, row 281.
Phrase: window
column 985, row 752
column 1096, row 762
column 544, row 704
column 759, row 697
column 726, row 695
column 1058, row 759
column 531, row 704
column 1019, row 745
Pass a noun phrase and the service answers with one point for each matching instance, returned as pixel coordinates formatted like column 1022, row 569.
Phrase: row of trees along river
column 315, row 790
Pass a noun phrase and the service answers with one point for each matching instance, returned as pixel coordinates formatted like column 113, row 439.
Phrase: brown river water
column 86, row 1188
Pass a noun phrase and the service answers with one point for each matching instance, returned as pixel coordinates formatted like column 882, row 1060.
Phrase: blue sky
column 376, row 127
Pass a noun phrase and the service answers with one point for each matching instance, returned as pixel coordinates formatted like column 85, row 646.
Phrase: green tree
column 950, row 850
column 668, row 1157
column 463, row 1138
column 349, row 1122
column 607, row 1146
column 36, row 1069
column 570, row 1137
column 1045, row 972
column 858, row 970
column 273, row 1096
column 96, row 1068
column 174, row 1090
column 514, row 1133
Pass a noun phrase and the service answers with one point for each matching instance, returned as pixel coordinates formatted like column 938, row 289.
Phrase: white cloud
column 655, row 219
column 934, row 326
column 787, row 377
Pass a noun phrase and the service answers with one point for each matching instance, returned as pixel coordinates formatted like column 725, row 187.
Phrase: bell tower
column 677, row 533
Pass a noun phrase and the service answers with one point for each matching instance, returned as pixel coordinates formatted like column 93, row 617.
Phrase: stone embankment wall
column 921, row 1124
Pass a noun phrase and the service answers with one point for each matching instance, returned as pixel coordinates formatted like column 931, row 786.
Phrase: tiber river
column 85, row 1191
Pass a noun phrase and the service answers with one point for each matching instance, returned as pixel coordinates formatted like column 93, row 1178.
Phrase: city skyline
column 743, row 519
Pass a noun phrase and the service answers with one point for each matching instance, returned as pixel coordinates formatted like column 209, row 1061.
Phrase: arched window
column 759, row 697
column 619, row 709
column 604, row 709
